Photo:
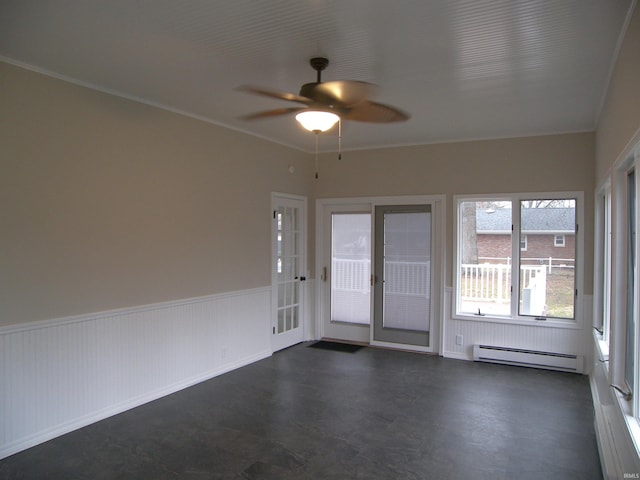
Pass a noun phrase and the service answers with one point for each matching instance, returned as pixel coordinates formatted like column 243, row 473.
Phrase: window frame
column 613, row 353
column 523, row 241
column 630, row 405
column 562, row 243
column 631, row 303
column 603, row 272
column 514, row 317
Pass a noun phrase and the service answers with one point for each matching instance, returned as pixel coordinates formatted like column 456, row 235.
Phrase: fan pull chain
column 340, row 139
column 316, row 154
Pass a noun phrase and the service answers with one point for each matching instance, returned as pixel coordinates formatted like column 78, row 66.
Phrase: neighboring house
column 548, row 233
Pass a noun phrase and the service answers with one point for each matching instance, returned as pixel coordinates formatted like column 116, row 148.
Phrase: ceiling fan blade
column 375, row 113
column 272, row 113
column 266, row 92
column 340, row 93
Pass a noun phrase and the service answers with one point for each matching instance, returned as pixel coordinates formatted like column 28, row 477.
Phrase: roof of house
column 546, row 220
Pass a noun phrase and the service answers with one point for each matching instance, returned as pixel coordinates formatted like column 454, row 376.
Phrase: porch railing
column 407, row 278
column 485, row 282
column 492, row 283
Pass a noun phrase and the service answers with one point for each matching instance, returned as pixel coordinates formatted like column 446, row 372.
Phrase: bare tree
column 469, row 233
column 556, row 203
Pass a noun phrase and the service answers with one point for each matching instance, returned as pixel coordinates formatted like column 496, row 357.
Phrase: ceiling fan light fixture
column 317, row 120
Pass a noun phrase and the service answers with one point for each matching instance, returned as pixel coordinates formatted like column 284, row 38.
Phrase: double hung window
column 508, row 262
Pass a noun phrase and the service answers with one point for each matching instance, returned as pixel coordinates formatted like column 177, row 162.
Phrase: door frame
column 438, row 225
column 300, row 334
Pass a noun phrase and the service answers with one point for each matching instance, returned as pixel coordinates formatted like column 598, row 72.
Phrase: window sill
column 549, row 323
column 602, row 348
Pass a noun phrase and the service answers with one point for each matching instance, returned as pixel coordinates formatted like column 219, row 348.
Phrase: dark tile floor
column 307, row 413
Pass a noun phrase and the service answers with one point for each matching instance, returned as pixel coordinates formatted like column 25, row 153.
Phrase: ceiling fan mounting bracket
column 319, row 64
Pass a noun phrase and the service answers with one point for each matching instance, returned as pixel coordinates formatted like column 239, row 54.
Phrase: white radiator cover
column 528, row 358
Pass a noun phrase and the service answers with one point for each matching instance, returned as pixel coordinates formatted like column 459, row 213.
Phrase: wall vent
column 528, row 358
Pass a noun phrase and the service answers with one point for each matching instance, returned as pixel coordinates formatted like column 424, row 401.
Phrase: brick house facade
column 551, row 235
column 494, row 248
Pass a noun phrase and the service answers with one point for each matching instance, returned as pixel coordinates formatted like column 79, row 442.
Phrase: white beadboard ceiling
column 468, row 69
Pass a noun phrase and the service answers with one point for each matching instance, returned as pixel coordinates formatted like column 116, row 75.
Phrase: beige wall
column 532, row 164
column 107, row 203
column 620, row 117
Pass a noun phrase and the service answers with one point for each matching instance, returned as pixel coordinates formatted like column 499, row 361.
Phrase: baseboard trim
column 87, row 420
column 457, row 356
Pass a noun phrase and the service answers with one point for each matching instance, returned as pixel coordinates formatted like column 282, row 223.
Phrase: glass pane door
column 287, row 268
column 403, row 260
column 344, row 271
column 351, row 268
column 288, row 258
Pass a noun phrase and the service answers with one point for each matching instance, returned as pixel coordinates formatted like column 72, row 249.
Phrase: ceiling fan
column 325, row 103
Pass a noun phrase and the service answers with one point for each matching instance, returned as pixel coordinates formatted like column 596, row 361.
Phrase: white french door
column 288, row 270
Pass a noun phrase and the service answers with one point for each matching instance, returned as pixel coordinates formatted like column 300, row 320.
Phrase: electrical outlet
column 458, row 339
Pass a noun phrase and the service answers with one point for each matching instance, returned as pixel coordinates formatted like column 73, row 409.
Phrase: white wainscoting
column 60, row 375
column 531, row 337
column 617, row 451
column 309, row 301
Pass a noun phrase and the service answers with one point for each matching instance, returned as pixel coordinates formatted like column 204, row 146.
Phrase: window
column 616, row 292
column 631, row 275
column 606, row 264
column 485, row 253
column 506, row 267
column 547, row 284
column 623, row 347
column 602, row 275
column 558, row 240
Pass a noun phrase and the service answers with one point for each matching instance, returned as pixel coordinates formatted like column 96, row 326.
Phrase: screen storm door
column 402, row 292
column 350, row 273
column 288, row 266
column 344, row 270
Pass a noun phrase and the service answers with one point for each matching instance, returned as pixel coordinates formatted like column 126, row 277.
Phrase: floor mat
column 336, row 346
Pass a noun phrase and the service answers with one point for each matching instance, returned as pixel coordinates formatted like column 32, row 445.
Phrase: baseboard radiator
column 528, row 358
